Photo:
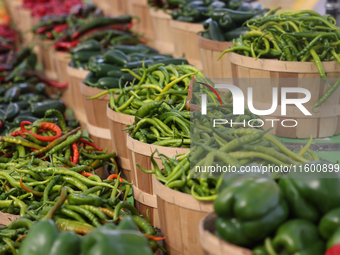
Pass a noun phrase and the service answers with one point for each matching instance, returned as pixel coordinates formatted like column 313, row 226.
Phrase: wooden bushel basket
column 120, row 7
column 14, row 7
column 140, row 9
column 179, row 216
column 210, row 51
column 48, row 61
column 97, row 121
column 211, row 244
column 185, row 38
column 26, row 24
column 323, row 124
column 117, row 122
column 75, row 77
column 62, row 59
column 164, row 41
column 143, row 188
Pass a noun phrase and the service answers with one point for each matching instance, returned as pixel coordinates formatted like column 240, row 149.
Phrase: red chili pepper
column 65, row 45
column 49, row 35
column 1, row 124
column 51, row 83
column 114, row 176
column 155, row 238
column 6, row 45
column 45, row 126
column 17, row 133
column 60, row 28
column 90, row 144
column 86, row 174
column 4, row 68
column 41, row 30
column 75, row 153
column 22, row 126
column 334, row 250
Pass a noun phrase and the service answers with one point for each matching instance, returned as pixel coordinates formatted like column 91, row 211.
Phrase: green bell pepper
column 40, row 239
column 296, row 237
column 249, row 210
column 68, row 243
column 310, row 198
column 329, row 223
column 107, row 240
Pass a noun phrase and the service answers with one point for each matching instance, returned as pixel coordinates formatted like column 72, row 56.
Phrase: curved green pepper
column 116, row 57
column 78, row 199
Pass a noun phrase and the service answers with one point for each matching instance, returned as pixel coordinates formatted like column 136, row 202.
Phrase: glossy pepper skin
column 68, row 243
column 249, row 210
column 39, row 239
column 310, row 198
column 298, row 237
column 329, row 223
column 78, row 199
column 116, row 241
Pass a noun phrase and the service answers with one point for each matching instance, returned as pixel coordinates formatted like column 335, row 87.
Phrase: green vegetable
column 296, row 237
column 39, row 109
column 310, row 198
column 116, row 57
column 103, row 241
column 90, row 45
column 249, row 210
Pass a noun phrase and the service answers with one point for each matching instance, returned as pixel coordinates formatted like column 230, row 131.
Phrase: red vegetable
column 85, row 174
column 60, row 28
column 335, row 250
column 65, row 45
column 90, row 144
column 45, row 126
column 75, row 153
column 51, row 83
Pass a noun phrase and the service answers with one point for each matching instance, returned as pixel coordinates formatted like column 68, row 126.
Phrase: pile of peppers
column 84, row 30
column 158, row 124
column 55, row 226
column 225, row 24
column 45, row 142
column 197, row 11
column 168, row 81
column 125, row 66
column 88, row 53
column 304, row 36
column 283, row 216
